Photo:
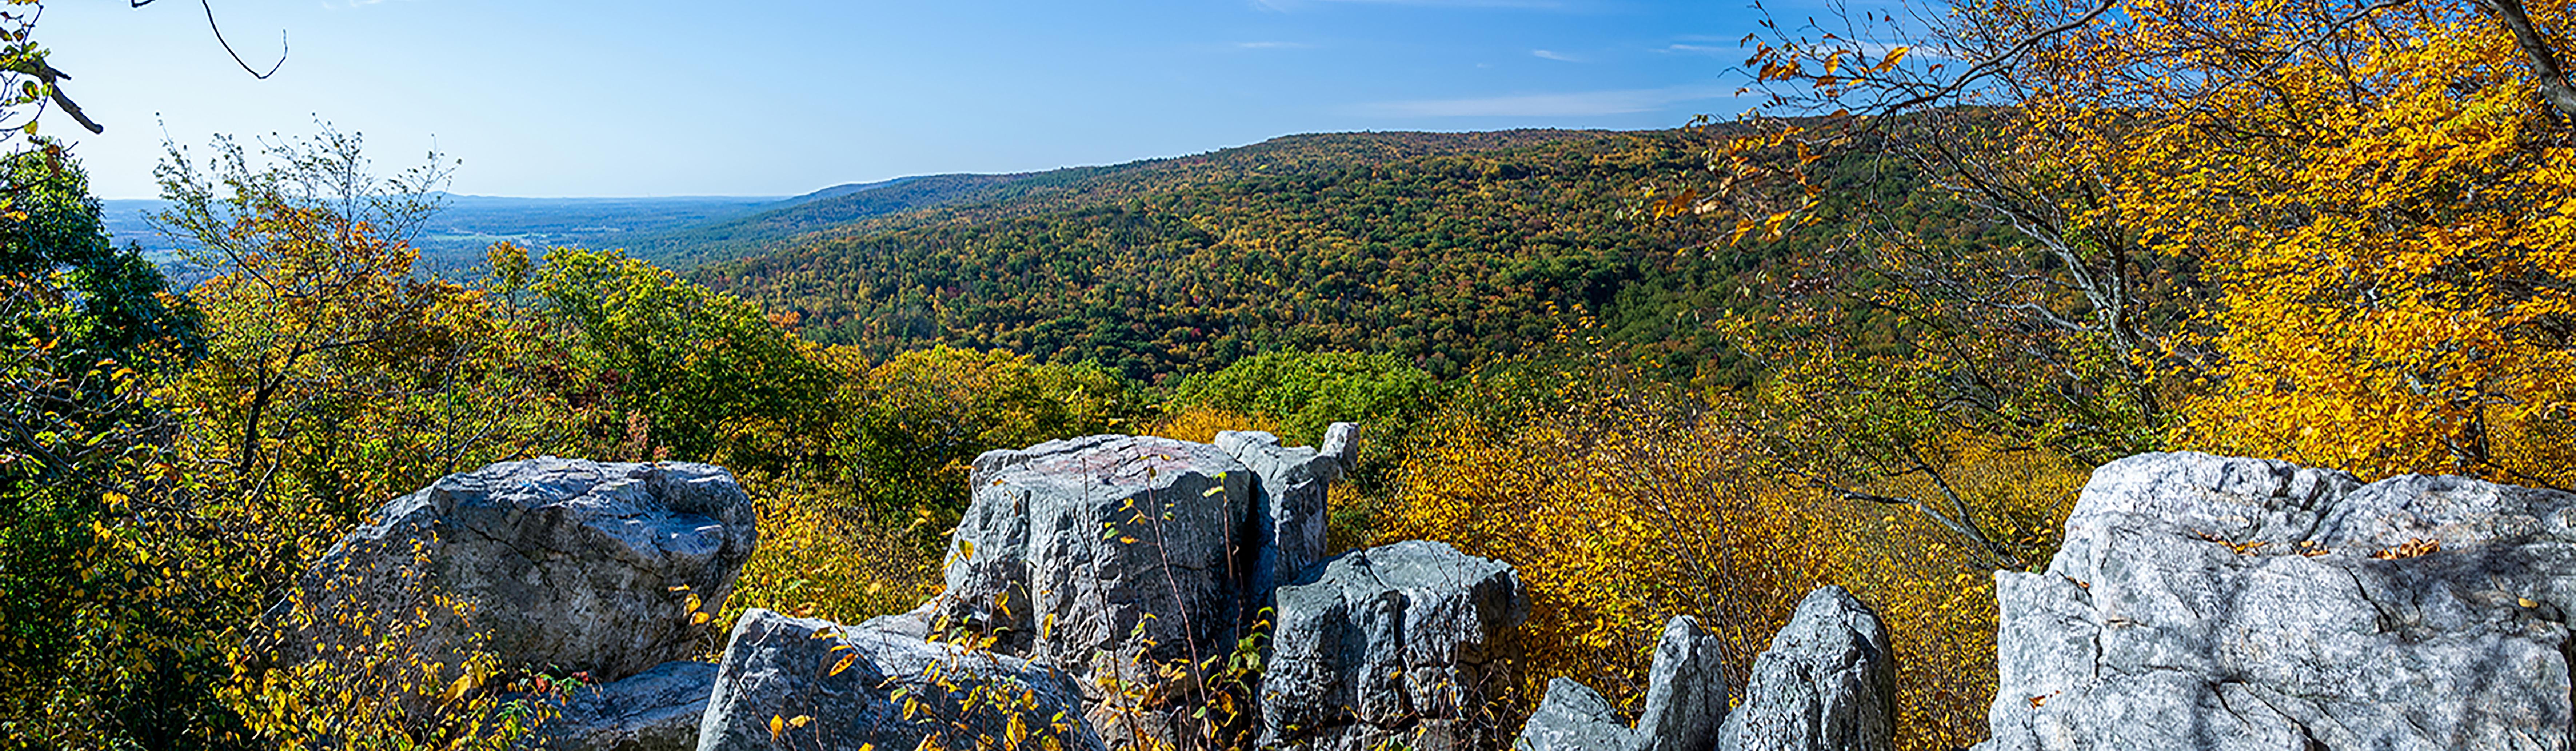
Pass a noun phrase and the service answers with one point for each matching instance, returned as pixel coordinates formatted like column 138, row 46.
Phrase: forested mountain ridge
column 1444, row 249
column 736, row 236
column 904, row 202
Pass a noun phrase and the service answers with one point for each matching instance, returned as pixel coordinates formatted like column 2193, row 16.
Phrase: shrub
column 820, row 556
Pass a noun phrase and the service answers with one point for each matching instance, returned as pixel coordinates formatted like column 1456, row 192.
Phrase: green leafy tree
column 700, row 375
column 1305, row 392
column 919, row 419
column 83, row 327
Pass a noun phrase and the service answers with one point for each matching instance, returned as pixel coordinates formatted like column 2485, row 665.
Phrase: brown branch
column 36, row 66
column 218, row 29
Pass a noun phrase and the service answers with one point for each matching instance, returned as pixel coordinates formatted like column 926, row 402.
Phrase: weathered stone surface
column 1685, row 690
column 1402, row 642
column 2216, row 603
column 1828, row 683
column 656, row 710
column 854, row 685
column 568, row 565
column 1574, row 718
column 1070, row 546
column 1289, row 514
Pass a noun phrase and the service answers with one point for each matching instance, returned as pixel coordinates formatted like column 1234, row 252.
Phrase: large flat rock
column 562, row 565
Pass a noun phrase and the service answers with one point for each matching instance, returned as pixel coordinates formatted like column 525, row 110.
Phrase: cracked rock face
column 837, row 688
column 1828, row 683
column 1101, row 554
column 1402, row 642
column 567, row 565
column 1685, row 690
column 2218, row 603
column 1289, row 514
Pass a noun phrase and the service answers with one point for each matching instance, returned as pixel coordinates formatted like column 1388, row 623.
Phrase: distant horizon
column 800, row 194
column 656, row 98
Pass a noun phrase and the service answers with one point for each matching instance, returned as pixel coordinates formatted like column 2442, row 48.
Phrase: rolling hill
column 1447, row 249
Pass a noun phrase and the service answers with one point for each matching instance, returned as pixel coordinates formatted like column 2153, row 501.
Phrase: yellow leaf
column 777, row 725
column 1894, row 56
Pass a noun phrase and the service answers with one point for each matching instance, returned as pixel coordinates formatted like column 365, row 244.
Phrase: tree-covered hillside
column 1444, row 249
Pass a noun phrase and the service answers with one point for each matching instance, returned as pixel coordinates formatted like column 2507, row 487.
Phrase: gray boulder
column 1685, row 702
column 1404, row 642
column 564, row 565
column 1685, row 690
column 1573, row 718
column 1828, row 683
column 2217, row 603
column 802, row 683
column 1288, row 504
column 1103, row 556
column 656, row 710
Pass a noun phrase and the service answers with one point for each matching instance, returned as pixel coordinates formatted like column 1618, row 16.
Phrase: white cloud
column 1699, row 49
column 1556, row 56
column 1570, row 104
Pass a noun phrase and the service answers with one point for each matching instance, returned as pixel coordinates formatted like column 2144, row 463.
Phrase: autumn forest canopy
column 1873, row 333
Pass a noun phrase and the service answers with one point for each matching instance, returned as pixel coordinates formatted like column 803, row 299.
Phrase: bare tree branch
column 218, row 29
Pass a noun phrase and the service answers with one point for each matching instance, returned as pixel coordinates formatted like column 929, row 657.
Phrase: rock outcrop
column 2216, row 603
column 801, row 683
column 567, row 566
column 1400, row 642
column 1828, row 683
column 1684, row 708
column 656, row 710
column 1289, row 513
column 1685, row 690
column 1103, row 556
column 1573, row 717
column 1112, row 558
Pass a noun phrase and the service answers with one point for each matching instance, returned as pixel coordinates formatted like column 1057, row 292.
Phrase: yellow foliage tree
column 2392, row 234
column 1621, row 504
column 2363, row 206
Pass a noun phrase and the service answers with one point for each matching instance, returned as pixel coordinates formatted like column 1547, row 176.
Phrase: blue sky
column 643, row 97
